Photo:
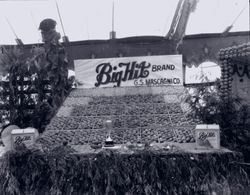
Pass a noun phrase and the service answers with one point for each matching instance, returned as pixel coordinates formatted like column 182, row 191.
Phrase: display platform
column 154, row 147
column 138, row 115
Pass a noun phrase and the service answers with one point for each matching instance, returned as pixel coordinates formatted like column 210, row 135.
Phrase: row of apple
column 127, row 109
column 83, row 122
column 226, row 78
column 235, row 51
column 120, row 136
column 146, row 98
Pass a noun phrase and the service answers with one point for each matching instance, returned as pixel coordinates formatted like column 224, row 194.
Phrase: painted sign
column 207, row 136
column 130, row 71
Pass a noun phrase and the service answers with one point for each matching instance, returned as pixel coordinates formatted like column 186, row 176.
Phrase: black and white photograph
column 124, row 97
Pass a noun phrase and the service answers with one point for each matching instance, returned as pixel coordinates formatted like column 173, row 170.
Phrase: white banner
column 130, row 71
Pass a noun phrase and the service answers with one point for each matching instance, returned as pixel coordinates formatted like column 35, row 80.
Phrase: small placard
column 207, row 136
column 22, row 136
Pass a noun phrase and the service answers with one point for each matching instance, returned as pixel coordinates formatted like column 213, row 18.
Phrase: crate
column 207, row 136
column 22, row 136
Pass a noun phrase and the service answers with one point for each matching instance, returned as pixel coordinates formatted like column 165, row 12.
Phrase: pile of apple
column 228, row 57
column 135, row 118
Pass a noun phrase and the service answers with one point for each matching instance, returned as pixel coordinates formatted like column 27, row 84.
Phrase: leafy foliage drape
column 208, row 105
column 144, row 172
column 46, row 70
